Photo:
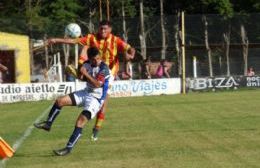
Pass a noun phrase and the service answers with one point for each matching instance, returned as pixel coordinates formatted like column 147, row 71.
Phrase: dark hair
column 105, row 22
column 92, row 52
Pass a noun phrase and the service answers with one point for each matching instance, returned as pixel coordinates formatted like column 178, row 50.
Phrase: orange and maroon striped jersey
column 109, row 48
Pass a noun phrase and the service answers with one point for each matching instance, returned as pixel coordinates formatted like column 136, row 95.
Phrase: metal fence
column 195, row 41
column 217, row 26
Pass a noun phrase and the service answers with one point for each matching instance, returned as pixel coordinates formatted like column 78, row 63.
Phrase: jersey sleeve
column 122, row 45
column 84, row 40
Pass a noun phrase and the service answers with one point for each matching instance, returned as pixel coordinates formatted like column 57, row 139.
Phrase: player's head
column 104, row 28
column 94, row 56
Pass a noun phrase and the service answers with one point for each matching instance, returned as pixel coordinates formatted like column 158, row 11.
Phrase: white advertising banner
column 127, row 88
column 34, row 91
column 145, row 87
column 10, row 93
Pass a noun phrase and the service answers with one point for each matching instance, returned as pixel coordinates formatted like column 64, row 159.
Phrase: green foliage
column 63, row 11
column 151, row 8
column 116, row 8
column 34, row 21
column 12, row 17
column 60, row 13
column 223, row 7
column 37, row 17
column 248, row 6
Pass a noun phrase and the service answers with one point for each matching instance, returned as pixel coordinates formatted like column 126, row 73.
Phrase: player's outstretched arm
column 61, row 40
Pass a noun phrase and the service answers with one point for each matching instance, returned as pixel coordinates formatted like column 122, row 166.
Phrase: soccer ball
column 73, row 30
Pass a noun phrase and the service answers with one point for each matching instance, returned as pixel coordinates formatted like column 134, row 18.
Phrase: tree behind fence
column 234, row 42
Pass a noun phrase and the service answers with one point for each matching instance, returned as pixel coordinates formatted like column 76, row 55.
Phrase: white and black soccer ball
column 73, row 30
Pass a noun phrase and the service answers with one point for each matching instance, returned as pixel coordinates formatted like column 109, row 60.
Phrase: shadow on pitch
column 34, row 154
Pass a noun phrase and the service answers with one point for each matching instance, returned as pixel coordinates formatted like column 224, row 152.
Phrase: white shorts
column 89, row 102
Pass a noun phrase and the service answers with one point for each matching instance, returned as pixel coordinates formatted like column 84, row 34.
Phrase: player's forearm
column 83, row 55
column 91, row 80
column 62, row 40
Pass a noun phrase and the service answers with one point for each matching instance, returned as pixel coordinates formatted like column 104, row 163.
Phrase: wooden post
column 194, row 67
column 177, row 37
column 227, row 47
column 164, row 46
column 245, row 48
column 108, row 10
column 183, row 53
column 124, row 23
column 100, row 10
column 59, row 67
column 207, row 46
column 142, row 35
column 76, row 55
column 46, row 52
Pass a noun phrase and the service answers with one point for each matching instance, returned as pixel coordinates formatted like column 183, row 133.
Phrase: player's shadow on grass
column 33, row 154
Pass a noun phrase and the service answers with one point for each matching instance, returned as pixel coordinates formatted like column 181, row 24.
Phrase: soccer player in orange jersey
column 109, row 47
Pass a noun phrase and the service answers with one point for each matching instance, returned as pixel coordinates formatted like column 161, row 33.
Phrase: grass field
column 198, row 130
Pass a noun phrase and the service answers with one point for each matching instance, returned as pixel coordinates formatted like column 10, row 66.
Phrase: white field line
column 27, row 133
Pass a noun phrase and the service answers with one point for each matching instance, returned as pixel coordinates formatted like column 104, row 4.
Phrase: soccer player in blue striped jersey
column 96, row 74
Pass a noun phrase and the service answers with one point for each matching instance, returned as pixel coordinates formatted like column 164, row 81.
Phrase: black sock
column 95, row 132
column 54, row 112
column 74, row 137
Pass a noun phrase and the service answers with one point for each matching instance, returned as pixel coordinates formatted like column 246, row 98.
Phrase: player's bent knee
column 87, row 114
column 59, row 102
column 72, row 98
column 81, row 121
column 64, row 101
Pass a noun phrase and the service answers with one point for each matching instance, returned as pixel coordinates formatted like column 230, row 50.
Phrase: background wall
column 20, row 45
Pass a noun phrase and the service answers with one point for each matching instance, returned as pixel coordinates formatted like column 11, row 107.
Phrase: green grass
column 198, row 130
